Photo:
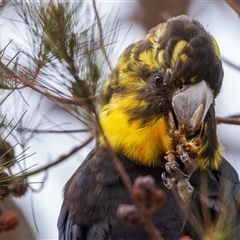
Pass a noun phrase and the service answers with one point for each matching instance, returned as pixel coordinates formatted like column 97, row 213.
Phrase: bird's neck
column 142, row 143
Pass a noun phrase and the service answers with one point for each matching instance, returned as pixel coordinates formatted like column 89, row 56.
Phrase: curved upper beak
column 191, row 105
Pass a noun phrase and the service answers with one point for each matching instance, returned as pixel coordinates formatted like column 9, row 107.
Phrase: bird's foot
column 179, row 171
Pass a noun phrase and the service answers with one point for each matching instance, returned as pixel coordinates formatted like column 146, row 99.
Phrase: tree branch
column 102, row 45
column 228, row 120
column 77, row 101
column 231, row 64
column 60, row 159
column 235, row 5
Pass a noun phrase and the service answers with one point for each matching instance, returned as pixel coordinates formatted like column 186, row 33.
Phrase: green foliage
column 63, row 40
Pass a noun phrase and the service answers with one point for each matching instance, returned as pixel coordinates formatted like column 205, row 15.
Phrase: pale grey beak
column 191, row 104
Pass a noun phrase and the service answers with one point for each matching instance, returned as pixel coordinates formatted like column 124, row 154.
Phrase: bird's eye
column 158, row 79
column 180, row 87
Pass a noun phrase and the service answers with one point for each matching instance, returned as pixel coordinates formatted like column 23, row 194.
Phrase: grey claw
column 180, row 174
column 168, row 183
column 175, row 171
column 168, row 169
column 183, row 155
column 189, row 163
column 164, row 178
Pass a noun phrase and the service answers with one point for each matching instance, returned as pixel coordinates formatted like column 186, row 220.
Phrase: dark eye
column 158, row 79
column 180, row 87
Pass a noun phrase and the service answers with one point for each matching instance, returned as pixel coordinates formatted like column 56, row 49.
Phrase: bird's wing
column 65, row 225
column 66, row 228
column 83, row 197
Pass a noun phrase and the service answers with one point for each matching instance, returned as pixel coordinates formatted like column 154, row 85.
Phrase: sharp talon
column 168, row 169
column 184, row 156
column 181, row 150
column 175, row 171
column 180, row 172
column 163, row 176
column 168, row 183
column 166, row 180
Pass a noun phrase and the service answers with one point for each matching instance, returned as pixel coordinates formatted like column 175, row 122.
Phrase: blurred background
column 41, row 205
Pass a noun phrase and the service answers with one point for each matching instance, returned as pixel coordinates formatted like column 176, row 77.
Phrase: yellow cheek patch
column 140, row 142
column 178, row 48
column 132, row 83
column 148, row 58
column 160, row 56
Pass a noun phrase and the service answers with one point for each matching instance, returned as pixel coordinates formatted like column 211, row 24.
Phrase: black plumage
column 179, row 54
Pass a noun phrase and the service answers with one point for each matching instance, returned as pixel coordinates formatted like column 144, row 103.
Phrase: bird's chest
column 103, row 201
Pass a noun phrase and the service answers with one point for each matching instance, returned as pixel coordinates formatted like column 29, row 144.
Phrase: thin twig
column 43, row 131
column 153, row 232
column 151, row 229
column 10, row 92
column 228, row 120
column 60, row 159
column 60, row 99
column 119, row 167
column 235, row 5
column 234, row 116
column 101, row 36
column 231, row 64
